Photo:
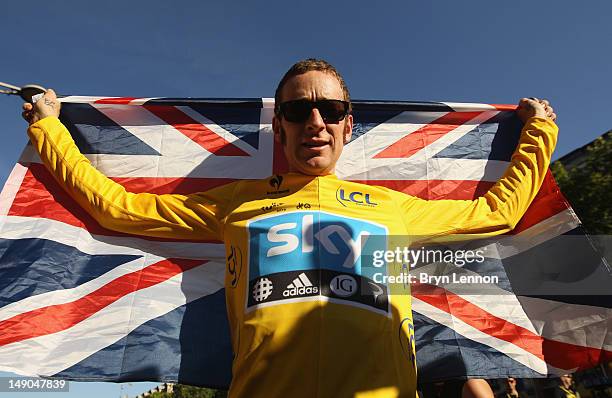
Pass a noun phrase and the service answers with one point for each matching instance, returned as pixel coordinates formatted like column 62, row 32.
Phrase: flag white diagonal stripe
column 14, row 227
column 524, row 357
column 49, row 354
column 64, row 296
column 358, row 160
column 212, row 126
column 11, row 187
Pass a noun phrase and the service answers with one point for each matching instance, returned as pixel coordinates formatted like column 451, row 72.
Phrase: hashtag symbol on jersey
column 262, row 289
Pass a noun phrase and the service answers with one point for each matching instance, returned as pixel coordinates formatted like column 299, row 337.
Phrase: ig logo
column 343, row 285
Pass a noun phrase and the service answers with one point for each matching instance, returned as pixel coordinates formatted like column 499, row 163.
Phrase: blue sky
column 476, row 51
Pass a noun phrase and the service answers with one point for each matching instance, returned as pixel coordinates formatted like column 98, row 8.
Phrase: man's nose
column 315, row 120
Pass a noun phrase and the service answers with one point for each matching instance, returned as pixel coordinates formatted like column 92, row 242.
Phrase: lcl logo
column 356, row 197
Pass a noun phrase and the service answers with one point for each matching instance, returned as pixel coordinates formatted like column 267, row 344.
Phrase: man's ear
column 276, row 127
column 348, row 129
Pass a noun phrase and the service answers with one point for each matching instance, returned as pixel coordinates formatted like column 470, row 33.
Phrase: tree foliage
column 588, row 186
column 184, row 391
column 160, row 395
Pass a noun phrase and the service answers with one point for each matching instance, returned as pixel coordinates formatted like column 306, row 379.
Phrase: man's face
column 312, row 147
column 566, row 380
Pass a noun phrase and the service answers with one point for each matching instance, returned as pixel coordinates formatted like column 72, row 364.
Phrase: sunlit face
column 312, row 147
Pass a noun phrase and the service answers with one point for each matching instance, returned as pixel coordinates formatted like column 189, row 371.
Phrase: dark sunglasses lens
column 296, row 111
column 332, row 111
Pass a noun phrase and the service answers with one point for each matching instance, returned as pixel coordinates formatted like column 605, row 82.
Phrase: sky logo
column 307, row 240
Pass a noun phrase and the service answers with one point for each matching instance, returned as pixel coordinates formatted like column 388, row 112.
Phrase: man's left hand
column 530, row 107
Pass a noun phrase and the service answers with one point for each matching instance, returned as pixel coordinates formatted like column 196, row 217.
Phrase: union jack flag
column 81, row 302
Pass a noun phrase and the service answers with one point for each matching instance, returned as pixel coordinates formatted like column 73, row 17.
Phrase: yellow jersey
column 307, row 318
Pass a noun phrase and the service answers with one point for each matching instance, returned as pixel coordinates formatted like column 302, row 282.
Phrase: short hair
column 308, row 65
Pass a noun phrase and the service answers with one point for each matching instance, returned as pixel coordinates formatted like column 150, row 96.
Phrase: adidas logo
column 300, row 286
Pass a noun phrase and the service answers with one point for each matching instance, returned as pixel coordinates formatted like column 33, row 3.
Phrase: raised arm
column 500, row 209
column 197, row 216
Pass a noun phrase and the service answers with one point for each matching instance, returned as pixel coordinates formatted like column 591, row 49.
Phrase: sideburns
column 344, row 129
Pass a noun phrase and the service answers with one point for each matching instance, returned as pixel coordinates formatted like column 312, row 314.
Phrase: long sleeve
column 196, row 216
column 500, row 209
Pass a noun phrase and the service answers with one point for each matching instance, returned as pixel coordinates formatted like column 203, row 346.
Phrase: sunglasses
column 298, row 111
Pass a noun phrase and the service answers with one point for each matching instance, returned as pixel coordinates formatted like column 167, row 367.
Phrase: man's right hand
column 48, row 105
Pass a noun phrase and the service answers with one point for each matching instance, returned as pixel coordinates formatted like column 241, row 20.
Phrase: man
column 511, row 391
column 566, row 388
column 305, row 319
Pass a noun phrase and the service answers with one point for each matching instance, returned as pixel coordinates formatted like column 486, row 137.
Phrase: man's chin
column 314, row 167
